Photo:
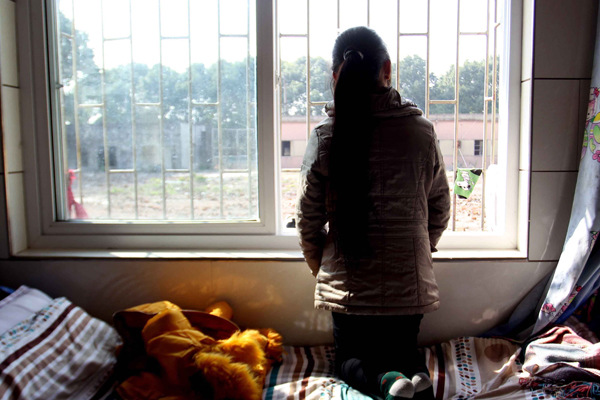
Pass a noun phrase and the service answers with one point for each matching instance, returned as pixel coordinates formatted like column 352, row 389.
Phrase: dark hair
column 358, row 57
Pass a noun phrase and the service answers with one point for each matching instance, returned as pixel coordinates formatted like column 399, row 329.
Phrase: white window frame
column 44, row 232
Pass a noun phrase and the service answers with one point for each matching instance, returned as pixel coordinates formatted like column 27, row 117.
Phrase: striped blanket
column 464, row 368
column 307, row 373
column 59, row 352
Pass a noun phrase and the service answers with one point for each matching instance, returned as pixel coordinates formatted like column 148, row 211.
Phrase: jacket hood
column 385, row 102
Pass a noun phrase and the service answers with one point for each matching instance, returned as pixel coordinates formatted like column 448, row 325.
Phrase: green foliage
column 412, row 71
column 120, row 88
column 293, row 85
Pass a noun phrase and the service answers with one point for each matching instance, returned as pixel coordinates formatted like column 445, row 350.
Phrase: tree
column 293, row 84
column 412, row 71
column 74, row 49
column 231, row 85
column 471, row 79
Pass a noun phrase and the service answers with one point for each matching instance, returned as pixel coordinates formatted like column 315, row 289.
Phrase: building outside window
column 478, row 147
column 286, row 148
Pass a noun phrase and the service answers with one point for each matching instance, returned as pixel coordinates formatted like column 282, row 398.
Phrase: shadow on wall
column 276, row 295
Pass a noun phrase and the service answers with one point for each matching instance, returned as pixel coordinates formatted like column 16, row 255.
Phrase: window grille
column 195, row 158
column 461, row 99
column 157, row 106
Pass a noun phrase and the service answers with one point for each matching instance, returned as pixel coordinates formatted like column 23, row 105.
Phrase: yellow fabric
column 220, row 309
column 153, row 308
column 234, row 368
column 165, row 321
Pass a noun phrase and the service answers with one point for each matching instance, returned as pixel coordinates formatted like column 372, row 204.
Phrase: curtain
column 577, row 274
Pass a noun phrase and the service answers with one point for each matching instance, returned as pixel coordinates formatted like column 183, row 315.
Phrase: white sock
column 421, row 382
column 402, row 388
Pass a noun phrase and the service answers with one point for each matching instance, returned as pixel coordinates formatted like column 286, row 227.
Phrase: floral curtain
column 577, row 274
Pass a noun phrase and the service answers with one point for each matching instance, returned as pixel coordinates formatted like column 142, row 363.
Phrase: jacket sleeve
column 438, row 200
column 311, row 215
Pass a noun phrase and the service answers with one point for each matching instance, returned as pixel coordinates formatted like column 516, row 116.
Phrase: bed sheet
column 464, row 368
column 59, row 352
column 19, row 305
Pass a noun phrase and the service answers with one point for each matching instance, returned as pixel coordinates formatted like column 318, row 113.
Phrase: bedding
column 462, row 368
column 19, row 305
column 465, row 368
column 57, row 352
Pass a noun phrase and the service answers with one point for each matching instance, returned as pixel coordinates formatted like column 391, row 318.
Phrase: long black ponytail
column 358, row 57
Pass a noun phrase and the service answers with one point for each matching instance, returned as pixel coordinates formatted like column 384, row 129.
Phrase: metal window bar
column 249, row 106
column 162, row 113
column 133, row 117
column 490, row 35
column 190, row 119
column 160, row 106
column 104, row 131
column 73, row 38
column 219, row 108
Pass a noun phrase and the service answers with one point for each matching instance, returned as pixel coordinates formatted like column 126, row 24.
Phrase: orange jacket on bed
column 195, row 365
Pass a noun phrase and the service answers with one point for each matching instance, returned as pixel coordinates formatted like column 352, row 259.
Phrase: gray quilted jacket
column 410, row 211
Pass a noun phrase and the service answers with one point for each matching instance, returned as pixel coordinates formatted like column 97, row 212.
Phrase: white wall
column 476, row 295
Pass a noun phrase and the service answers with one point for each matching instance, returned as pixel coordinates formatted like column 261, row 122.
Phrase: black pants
column 368, row 346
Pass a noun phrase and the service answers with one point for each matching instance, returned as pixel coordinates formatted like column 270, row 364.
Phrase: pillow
column 21, row 304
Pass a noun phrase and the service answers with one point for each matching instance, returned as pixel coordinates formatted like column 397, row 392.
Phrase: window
column 172, row 103
column 286, row 148
column 477, row 147
column 449, row 57
column 163, row 127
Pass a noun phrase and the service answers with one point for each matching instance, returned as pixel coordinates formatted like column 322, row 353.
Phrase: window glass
column 445, row 58
column 157, row 110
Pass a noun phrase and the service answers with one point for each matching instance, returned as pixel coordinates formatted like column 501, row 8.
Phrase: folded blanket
column 60, row 352
column 560, row 355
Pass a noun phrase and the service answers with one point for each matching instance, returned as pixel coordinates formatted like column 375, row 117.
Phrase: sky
column 202, row 26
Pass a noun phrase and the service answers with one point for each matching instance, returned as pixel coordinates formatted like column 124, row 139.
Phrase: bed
column 52, row 349
column 562, row 363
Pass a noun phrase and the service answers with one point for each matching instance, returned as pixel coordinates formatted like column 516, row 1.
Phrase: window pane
column 146, row 41
column 292, row 19
column 174, row 18
column 122, row 192
column 473, row 15
column 443, row 48
column 412, row 69
column 353, row 13
column 159, row 119
column 115, row 18
column 293, row 77
column 320, row 79
column 427, row 49
column 323, row 27
column 234, row 15
column 413, row 16
column 384, row 16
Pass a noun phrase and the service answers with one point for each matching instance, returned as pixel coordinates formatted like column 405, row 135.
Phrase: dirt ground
column 237, row 201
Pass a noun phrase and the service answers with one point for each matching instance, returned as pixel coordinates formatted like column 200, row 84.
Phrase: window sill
column 264, row 255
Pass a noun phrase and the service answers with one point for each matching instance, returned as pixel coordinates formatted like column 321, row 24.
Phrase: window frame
column 44, row 232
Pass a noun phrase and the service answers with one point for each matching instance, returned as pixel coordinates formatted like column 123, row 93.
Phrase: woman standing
column 373, row 203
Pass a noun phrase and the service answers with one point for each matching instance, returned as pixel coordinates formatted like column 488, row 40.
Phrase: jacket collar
column 385, row 103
